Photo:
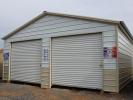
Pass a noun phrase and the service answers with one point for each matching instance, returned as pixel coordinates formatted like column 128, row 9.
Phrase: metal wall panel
column 76, row 61
column 125, row 52
column 25, row 61
column 51, row 26
column 48, row 25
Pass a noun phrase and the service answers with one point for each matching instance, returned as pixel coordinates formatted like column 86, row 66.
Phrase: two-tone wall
column 125, row 58
column 51, row 26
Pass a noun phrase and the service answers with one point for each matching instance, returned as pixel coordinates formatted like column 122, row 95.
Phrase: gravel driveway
column 10, row 91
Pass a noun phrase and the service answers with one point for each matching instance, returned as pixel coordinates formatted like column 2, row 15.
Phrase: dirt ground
column 10, row 91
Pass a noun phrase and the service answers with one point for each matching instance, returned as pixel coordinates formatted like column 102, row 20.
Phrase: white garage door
column 76, row 61
column 25, row 61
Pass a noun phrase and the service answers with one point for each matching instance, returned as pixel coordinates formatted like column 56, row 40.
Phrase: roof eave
column 83, row 17
column 23, row 26
column 124, row 25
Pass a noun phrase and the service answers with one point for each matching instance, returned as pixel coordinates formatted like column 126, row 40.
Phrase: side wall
column 125, row 52
column 1, row 63
column 51, row 26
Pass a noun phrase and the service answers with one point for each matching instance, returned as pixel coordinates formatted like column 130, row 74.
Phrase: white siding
column 125, row 52
column 76, row 61
column 50, row 26
column 62, row 26
column 6, row 62
column 26, row 61
column 53, row 26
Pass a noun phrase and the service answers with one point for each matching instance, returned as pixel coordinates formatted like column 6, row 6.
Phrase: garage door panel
column 76, row 61
column 73, row 69
column 78, row 40
column 74, row 47
column 33, row 64
column 78, row 84
column 34, row 75
column 25, row 70
column 30, row 51
column 25, row 61
column 22, row 49
column 28, row 79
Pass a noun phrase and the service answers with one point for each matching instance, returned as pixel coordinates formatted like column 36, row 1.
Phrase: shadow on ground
column 127, row 92
column 10, row 91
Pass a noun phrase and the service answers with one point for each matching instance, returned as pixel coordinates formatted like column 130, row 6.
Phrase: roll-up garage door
column 76, row 61
column 25, row 61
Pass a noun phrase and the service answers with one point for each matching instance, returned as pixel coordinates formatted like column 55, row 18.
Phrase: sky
column 14, row 13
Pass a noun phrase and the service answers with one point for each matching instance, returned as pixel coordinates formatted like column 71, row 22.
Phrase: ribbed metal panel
column 125, row 57
column 25, row 61
column 76, row 61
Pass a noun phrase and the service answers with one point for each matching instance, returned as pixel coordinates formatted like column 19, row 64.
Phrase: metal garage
column 25, row 61
column 69, row 50
column 76, row 61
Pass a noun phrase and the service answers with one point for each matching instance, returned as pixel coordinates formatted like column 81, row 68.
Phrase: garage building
column 69, row 50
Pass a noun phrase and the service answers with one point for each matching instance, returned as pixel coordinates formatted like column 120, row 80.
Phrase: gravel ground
column 10, row 91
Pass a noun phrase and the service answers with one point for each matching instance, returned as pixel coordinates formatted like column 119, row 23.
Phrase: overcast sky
column 14, row 13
